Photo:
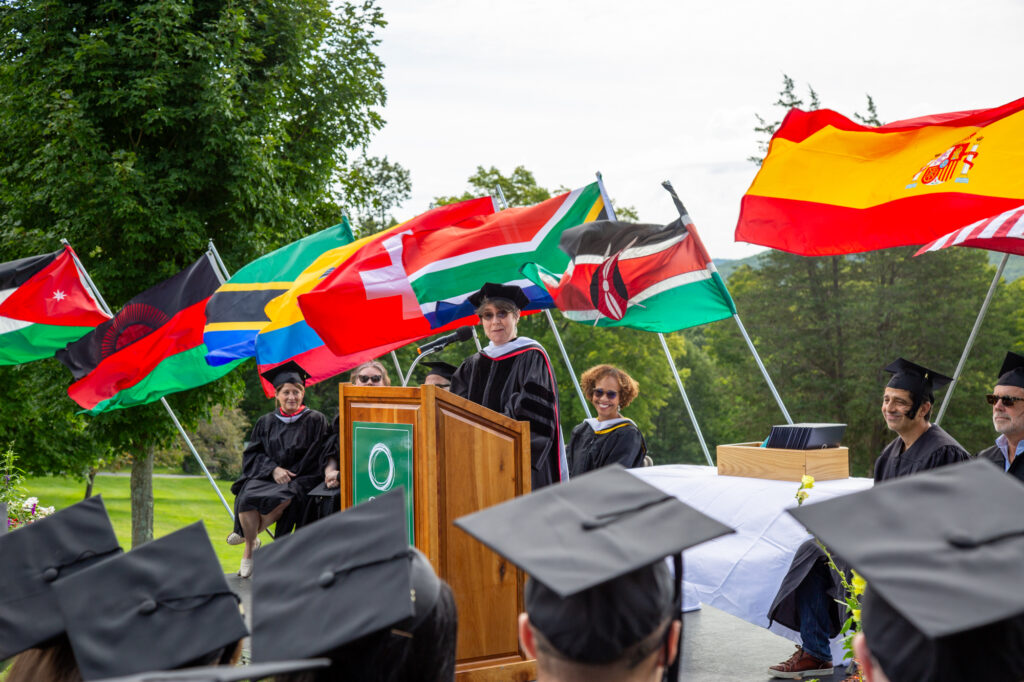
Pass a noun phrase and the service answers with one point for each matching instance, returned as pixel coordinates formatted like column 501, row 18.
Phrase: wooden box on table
column 753, row 461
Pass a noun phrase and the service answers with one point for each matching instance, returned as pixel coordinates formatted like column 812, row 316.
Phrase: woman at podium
column 513, row 375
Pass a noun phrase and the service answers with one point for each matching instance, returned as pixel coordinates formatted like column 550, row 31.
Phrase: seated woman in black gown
column 513, row 375
column 609, row 437
column 280, row 465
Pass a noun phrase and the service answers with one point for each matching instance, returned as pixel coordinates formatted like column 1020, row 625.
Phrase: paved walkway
column 717, row 647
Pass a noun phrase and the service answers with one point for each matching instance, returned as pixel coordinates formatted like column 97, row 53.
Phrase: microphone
column 460, row 334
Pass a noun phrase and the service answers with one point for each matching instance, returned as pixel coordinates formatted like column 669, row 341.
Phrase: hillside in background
column 1014, row 266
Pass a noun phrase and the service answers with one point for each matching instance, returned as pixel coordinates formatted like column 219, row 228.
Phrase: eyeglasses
column 600, row 393
column 488, row 316
column 1007, row 400
column 370, row 378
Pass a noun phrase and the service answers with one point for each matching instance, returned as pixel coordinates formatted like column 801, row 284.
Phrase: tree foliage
column 375, row 186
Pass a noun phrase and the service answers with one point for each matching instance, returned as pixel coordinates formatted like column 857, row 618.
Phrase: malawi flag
column 44, row 305
column 416, row 281
column 831, row 186
column 151, row 348
column 651, row 277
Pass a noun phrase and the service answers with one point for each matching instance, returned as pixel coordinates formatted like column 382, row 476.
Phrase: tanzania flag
column 235, row 313
column 44, row 305
column 290, row 337
column 419, row 279
column 652, row 277
column 831, row 186
column 151, row 348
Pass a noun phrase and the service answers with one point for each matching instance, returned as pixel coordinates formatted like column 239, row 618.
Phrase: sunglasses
column 370, row 378
column 1007, row 400
column 501, row 315
column 600, row 393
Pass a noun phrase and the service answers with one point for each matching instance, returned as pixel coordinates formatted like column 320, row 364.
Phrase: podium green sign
column 382, row 461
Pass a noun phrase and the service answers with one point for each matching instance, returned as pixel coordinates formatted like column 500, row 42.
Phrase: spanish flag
column 831, row 186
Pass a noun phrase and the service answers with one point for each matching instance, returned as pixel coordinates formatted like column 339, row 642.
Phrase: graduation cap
column 37, row 556
column 161, row 606
column 910, row 376
column 336, row 580
column 594, row 548
column 1012, row 371
column 441, row 369
column 941, row 552
column 508, row 292
column 289, row 372
column 254, row 672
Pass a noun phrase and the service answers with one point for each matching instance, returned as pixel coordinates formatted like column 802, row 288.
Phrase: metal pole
column 174, row 417
column 216, row 255
column 972, row 337
column 686, row 400
column 398, row 367
column 476, row 340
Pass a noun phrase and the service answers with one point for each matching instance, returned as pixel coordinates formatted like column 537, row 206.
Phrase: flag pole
column 736, row 316
column 170, row 411
column 554, row 328
column 211, row 249
column 972, row 337
column 610, row 210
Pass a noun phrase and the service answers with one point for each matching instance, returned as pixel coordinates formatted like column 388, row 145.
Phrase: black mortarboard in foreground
column 161, row 606
column 1012, row 371
column 34, row 557
column 941, row 552
column 909, row 376
column 333, row 581
column 226, row 673
column 441, row 369
column 594, row 548
column 289, row 372
column 509, row 292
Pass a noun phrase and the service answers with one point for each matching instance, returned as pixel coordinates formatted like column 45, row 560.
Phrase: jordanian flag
column 151, row 348
column 416, row 281
column 651, row 277
column 44, row 305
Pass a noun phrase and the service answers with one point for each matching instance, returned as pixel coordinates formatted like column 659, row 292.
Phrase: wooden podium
column 464, row 458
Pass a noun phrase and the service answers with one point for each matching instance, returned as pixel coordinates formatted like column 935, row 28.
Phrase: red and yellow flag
column 831, row 186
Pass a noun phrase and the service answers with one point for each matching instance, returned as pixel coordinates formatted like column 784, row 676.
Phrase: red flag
column 56, row 294
column 1003, row 232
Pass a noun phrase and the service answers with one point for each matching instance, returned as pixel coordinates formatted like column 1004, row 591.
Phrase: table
column 741, row 572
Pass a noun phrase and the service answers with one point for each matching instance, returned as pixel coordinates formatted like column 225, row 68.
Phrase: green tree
column 140, row 130
column 375, row 186
column 519, row 187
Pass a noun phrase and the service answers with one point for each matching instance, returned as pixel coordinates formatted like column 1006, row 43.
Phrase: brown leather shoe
column 801, row 664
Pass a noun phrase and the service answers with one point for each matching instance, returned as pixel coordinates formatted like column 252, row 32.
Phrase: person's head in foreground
column 908, row 397
column 610, row 390
column 601, row 603
column 941, row 552
column 499, row 307
column 370, row 373
column 439, row 374
column 1007, row 399
column 350, row 588
column 289, row 382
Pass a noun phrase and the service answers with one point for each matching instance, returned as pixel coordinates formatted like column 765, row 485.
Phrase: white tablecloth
column 740, row 573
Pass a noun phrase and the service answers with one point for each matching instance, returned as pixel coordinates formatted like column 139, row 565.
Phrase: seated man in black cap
column 601, row 603
column 943, row 601
column 806, row 600
column 440, row 374
column 1007, row 401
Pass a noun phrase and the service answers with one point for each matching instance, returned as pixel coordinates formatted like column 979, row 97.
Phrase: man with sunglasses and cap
column 1007, row 401
column 806, row 600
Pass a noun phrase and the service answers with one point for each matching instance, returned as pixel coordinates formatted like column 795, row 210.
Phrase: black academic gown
column 520, row 384
column 322, row 501
column 934, row 448
column 995, row 455
column 595, row 444
column 294, row 445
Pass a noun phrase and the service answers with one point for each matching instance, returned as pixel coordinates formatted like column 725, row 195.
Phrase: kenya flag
column 651, row 277
column 44, row 305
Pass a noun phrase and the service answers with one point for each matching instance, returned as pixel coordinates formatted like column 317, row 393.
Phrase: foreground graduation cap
column 345, row 576
column 912, row 377
column 161, row 606
column 34, row 558
column 594, row 548
column 509, row 292
column 941, row 552
column 255, row 672
column 289, row 372
column 1012, row 371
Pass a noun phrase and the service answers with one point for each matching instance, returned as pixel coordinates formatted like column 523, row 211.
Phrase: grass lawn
column 178, row 502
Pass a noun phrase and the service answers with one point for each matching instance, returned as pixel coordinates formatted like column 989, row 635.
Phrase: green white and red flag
column 44, row 305
column 152, row 347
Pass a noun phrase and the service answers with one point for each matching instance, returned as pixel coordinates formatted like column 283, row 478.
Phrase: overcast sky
column 646, row 91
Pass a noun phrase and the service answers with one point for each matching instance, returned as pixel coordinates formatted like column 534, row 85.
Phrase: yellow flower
column 807, row 481
column 858, row 583
column 856, row 615
column 801, row 496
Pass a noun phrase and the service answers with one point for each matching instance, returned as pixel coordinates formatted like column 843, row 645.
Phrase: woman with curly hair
column 609, row 437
